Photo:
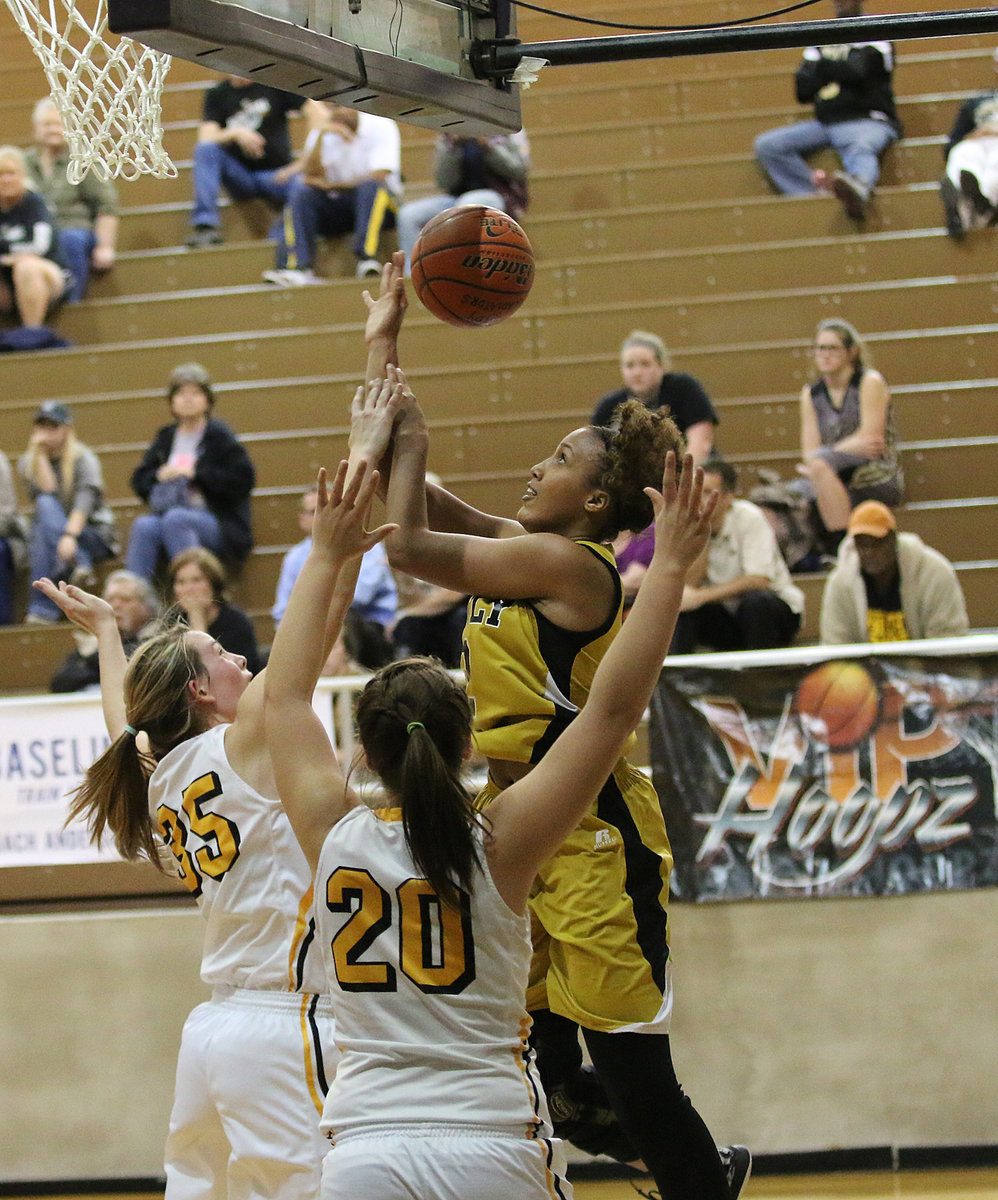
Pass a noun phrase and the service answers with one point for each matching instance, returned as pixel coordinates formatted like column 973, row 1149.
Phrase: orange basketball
column 472, row 266
column 838, row 704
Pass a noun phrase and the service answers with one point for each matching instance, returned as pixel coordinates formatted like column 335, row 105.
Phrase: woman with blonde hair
column 71, row 527
column 647, row 375
column 848, row 440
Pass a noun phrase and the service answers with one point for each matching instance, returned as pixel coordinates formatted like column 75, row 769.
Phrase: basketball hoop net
column 108, row 94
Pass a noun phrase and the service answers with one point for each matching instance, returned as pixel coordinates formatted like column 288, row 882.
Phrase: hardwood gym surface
column 971, row 1184
column 861, row 1185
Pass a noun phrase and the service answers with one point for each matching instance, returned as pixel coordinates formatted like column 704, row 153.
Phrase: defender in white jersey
column 421, row 908
column 255, row 1059
column 251, row 1075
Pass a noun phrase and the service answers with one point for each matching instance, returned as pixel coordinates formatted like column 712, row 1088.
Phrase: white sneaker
column 288, row 277
column 368, row 266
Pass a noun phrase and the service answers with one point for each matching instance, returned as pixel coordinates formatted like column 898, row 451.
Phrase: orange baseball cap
column 873, row 518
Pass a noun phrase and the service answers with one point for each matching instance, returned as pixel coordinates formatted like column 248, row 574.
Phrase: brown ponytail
column 414, row 722
column 114, row 794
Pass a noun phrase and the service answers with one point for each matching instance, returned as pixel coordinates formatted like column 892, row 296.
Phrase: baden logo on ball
column 472, row 266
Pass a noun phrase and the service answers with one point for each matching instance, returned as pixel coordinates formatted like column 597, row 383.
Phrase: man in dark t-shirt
column 244, row 145
column 645, row 369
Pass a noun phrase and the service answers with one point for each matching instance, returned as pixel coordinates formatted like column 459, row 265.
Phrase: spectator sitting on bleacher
column 854, row 113
column 294, row 559
column 647, row 374
column 13, row 542
column 468, row 170
column 889, row 586
column 71, row 527
column 373, row 612
column 430, row 623
column 848, row 442
column 632, row 553
column 365, row 640
column 349, row 180
column 740, row 595
column 196, row 478
column 197, row 584
column 33, row 278
column 969, row 188
column 244, row 145
column 136, row 607
column 86, row 212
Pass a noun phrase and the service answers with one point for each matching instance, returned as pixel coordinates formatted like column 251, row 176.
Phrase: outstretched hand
column 373, row 414
column 682, row 515
column 341, row 512
column 385, row 315
column 82, row 608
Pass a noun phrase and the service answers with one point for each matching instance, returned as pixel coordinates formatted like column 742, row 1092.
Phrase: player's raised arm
column 308, row 776
column 94, row 615
column 385, row 315
column 534, row 815
column 544, row 566
column 384, row 318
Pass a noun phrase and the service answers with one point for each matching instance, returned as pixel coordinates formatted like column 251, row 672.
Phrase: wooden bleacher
column 647, row 211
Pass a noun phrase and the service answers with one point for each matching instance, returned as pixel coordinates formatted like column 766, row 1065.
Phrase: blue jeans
column 310, row 212
column 46, row 529
column 414, row 215
column 781, row 152
column 215, row 166
column 175, row 530
column 77, row 245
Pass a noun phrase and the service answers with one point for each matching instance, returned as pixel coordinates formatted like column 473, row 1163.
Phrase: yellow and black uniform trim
column 599, row 915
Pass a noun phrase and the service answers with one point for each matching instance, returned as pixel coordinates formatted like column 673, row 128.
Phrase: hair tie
column 132, row 730
column 414, row 725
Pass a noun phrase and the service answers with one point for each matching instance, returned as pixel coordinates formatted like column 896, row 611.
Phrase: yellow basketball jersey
column 527, row 678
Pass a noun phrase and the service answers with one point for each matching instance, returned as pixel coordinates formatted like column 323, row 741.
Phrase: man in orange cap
column 889, row 586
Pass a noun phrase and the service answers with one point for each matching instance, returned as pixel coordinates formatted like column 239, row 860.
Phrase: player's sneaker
column 737, row 1163
column 289, row 277
column 367, row 267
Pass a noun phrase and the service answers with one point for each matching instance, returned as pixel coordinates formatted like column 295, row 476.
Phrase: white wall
column 800, row 1025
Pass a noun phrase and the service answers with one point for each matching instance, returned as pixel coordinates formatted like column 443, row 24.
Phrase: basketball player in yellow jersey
column 545, row 604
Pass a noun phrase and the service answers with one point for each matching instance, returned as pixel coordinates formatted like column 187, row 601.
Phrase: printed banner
column 45, row 748
column 46, row 745
column 855, row 776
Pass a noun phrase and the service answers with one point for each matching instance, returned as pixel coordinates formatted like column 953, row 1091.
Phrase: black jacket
column 224, row 475
column 848, row 82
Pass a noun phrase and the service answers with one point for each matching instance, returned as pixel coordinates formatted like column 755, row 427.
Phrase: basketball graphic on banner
column 838, row 704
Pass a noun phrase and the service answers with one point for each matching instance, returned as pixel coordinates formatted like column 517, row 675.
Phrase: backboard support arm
column 499, row 58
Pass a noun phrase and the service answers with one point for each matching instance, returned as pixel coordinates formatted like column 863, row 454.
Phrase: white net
column 107, row 88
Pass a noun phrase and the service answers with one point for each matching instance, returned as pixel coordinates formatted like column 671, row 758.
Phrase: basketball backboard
column 407, row 61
